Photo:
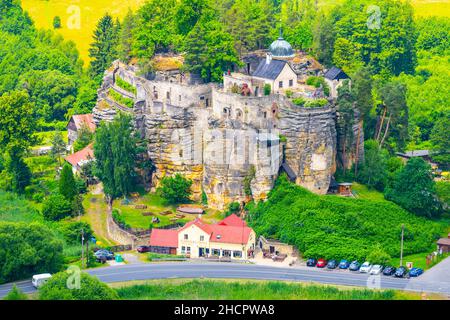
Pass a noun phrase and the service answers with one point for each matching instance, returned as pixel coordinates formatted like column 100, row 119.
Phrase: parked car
column 311, row 262
column 354, row 266
column 332, row 264
column 104, row 254
column 389, row 271
column 401, row 272
column 143, row 249
column 344, row 264
column 365, row 267
column 39, row 279
column 376, row 269
column 415, row 272
column 321, row 263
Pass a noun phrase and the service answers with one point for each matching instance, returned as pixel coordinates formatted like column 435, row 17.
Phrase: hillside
column 339, row 228
column 43, row 13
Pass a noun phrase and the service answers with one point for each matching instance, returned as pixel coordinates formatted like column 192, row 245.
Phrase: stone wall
column 123, row 237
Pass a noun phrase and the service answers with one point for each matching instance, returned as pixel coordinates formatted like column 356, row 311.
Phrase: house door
column 201, row 252
column 272, row 249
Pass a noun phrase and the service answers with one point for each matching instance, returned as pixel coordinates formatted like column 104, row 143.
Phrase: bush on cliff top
column 333, row 227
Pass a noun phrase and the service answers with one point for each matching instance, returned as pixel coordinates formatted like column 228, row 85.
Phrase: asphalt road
column 149, row 271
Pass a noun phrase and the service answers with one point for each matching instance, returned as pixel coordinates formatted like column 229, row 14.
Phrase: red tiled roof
column 199, row 223
column 233, row 220
column 88, row 119
column 164, row 238
column 84, row 154
column 229, row 234
column 444, row 242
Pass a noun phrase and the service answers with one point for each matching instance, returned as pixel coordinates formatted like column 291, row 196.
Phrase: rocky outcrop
column 227, row 144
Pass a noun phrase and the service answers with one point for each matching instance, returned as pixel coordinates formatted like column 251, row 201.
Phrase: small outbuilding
column 345, row 189
column 334, row 77
column 443, row 244
column 77, row 122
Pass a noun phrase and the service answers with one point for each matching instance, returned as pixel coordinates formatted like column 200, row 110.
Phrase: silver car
column 376, row 269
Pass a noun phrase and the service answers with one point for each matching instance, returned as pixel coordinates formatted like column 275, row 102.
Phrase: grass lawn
column 155, row 204
column 45, row 138
column 363, row 192
column 189, row 289
column 14, row 208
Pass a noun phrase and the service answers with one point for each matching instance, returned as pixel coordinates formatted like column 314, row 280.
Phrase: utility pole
column 401, row 246
column 82, row 248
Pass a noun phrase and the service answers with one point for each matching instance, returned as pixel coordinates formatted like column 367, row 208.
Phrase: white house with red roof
column 80, row 158
column 229, row 238
column 75, row 124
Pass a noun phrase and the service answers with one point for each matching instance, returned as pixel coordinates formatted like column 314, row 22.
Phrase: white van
column 39, row 279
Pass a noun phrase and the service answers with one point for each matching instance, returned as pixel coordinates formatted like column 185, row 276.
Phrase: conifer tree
column 67, row 185
column 103, row 50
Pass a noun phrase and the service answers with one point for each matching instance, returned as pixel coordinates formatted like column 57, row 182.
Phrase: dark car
column 143, row 249
column 415, row 272
column 332, row 264
column 102, row 254
column 354, row 266
column 311, row 262
column 401, row 272
column 389, row 271
column 321, row 263
column 344, row 264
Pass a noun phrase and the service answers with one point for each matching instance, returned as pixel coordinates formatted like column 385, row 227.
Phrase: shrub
column 27, row 249
column 298, row 101
column 56, row 207
column 176, row 189
column 15, row 294
column 316, row 103
column 125, row 85
column 289, row 93
column 72, row 231
column 90, row 288
column 267, row 89
column 316, row 82
column 334, row 227
column 121, row 99
column 233, row 207
column 119, row 219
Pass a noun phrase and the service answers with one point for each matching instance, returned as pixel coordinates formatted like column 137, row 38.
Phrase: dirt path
column 95, row 215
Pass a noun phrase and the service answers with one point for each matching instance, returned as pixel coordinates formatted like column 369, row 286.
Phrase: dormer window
column 218, row 237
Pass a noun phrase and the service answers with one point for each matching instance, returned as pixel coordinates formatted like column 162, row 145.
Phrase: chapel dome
column 280, row 48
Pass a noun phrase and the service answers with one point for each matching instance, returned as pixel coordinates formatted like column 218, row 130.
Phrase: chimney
column 268, row 58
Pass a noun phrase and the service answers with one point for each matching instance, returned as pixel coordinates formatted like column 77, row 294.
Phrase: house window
column 188, row 250
column 186, row 237
column 215, row 252
column 183, row 249
column 280, row 84
column 202, row 97
column 237, row 254
column 207, row 102
column 168, row 95
column 265, row 115
column 291, row 83
column 202, row 238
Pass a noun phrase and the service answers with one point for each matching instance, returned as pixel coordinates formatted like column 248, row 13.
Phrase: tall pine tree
column 103, row 50
column 67, row 185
